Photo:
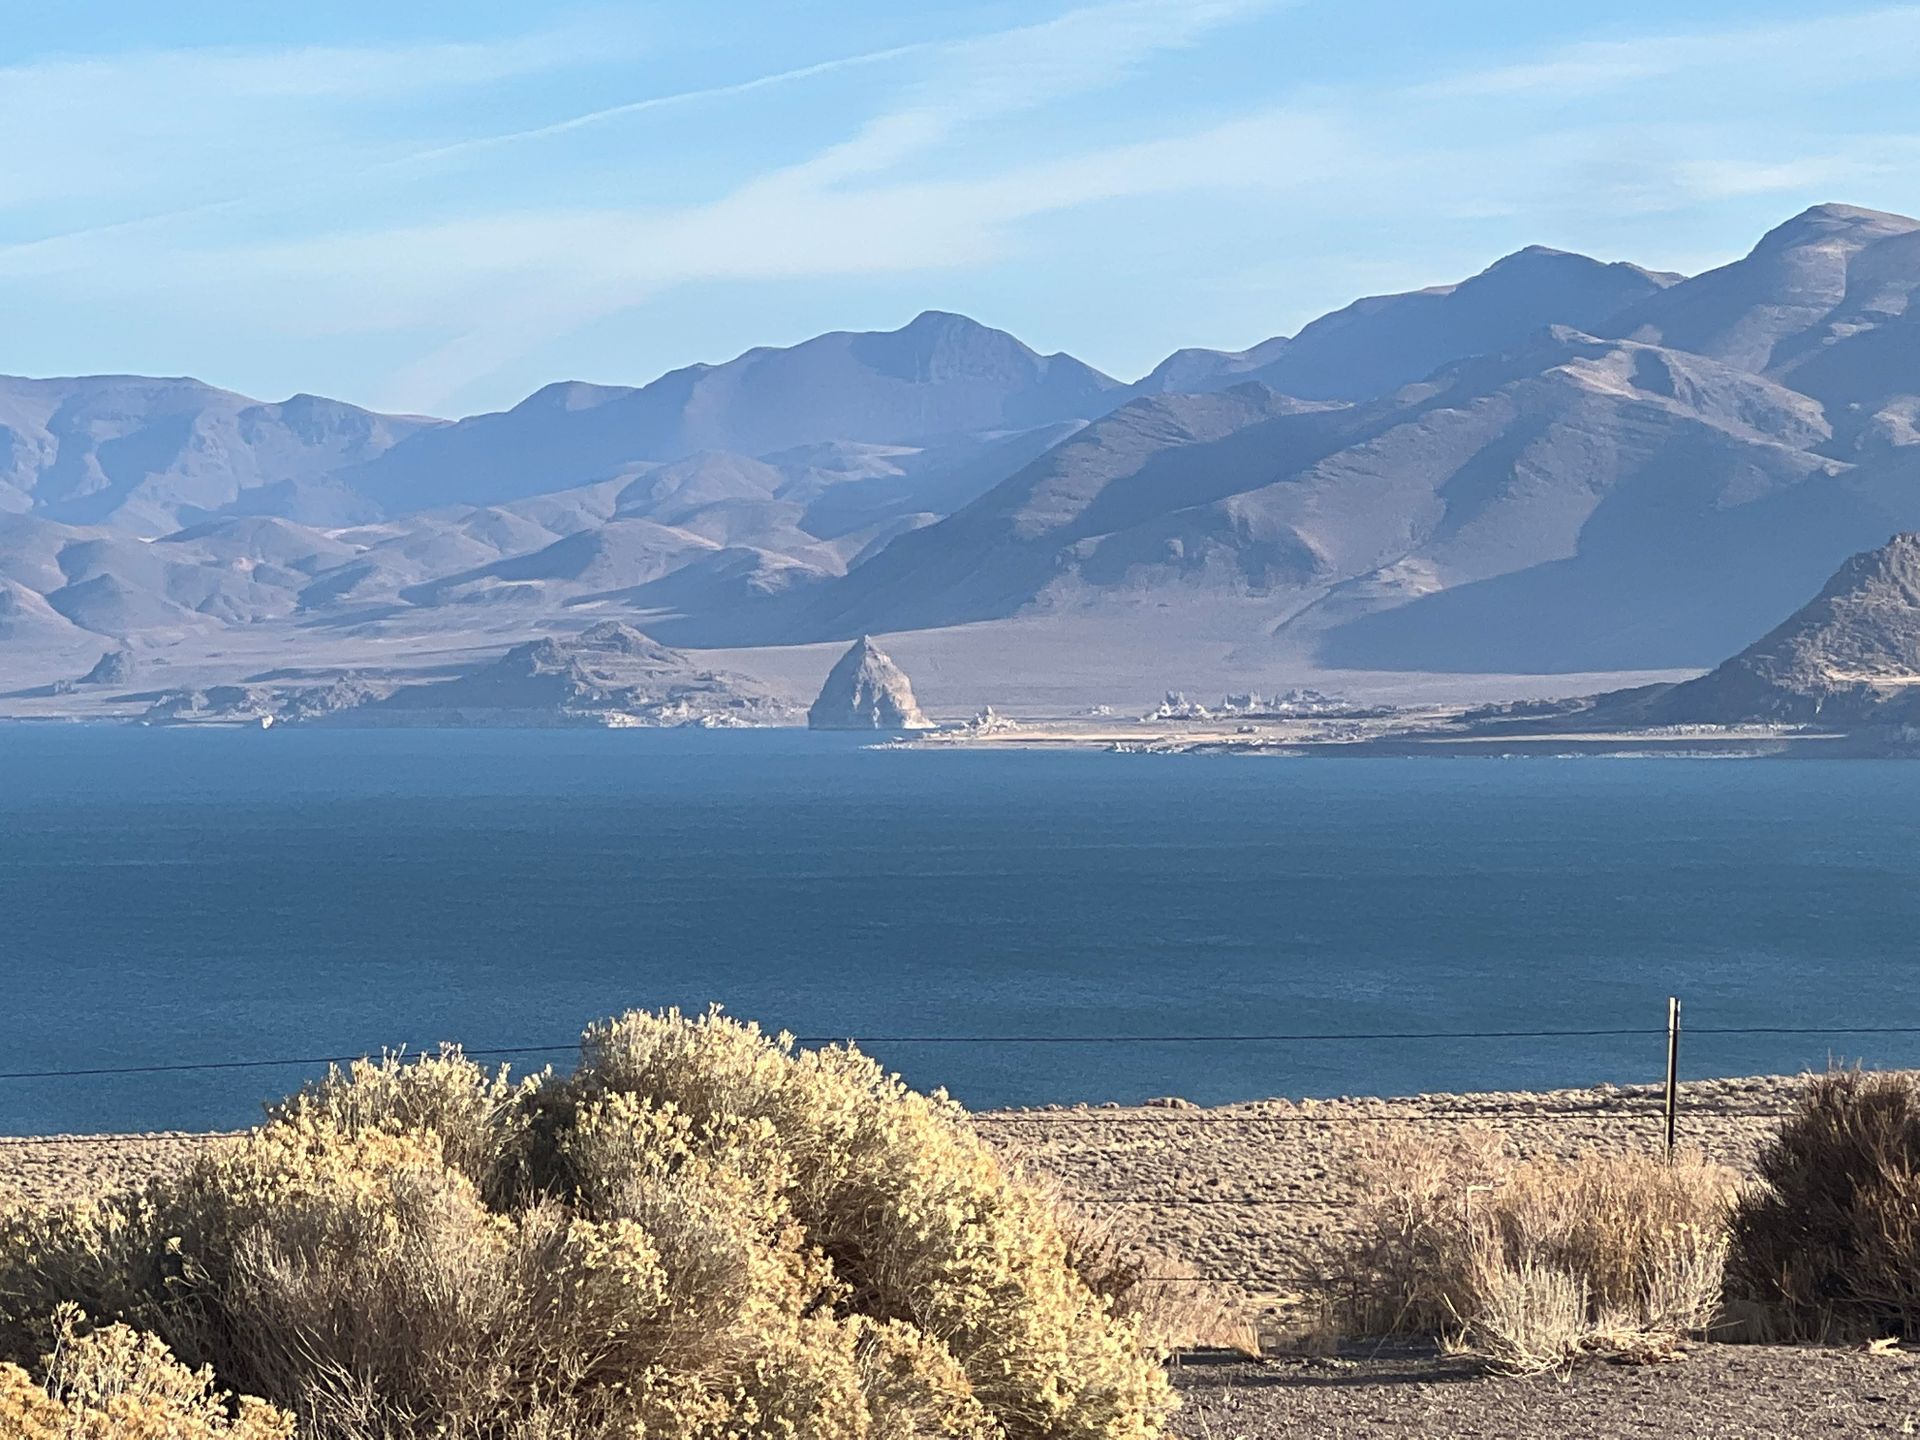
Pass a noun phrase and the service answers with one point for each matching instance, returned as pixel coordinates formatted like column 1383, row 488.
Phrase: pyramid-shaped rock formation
column 865, row 690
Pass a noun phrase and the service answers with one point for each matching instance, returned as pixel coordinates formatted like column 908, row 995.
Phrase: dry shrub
column 699, row 1234
column 481, row 1118
column 1532, row 1264
column 116, row 1384
column 1828, row 1246
column 1176, row 1306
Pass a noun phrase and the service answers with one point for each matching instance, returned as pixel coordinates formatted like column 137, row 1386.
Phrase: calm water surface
column 170, row 896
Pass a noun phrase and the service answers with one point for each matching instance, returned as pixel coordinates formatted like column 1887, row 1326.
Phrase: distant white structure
column 991, row 722
column 1288, row 705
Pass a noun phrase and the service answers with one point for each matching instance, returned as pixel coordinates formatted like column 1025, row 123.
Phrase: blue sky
column 439, row 207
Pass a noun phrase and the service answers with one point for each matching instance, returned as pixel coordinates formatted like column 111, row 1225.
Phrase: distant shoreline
column 1731, row 743
column 1388, row 741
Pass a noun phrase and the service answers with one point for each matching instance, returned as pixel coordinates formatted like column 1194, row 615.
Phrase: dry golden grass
column 700, row 1233
column 1176, row 1306
column 1531, row 1264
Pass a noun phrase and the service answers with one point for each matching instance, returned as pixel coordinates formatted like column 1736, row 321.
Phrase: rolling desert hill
column 1557, row 465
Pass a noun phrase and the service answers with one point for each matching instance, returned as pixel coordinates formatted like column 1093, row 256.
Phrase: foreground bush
column 697, row 1234
column 114, row 1384
column 1532, row 1264
column 1828, row 1247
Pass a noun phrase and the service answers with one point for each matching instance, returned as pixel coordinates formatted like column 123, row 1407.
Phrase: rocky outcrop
column 113, row 668
column 1850, row 656
column 215, row 705
column 610, row 675
column 866, row 691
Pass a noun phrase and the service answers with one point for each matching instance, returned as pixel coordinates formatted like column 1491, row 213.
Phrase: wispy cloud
column 256, row 196
column 1868, row 44
column 125, row 125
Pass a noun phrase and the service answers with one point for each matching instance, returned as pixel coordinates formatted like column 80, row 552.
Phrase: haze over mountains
column 1556, row 465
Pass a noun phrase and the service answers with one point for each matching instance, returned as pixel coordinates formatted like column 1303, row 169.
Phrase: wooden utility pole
column 1673, row 1069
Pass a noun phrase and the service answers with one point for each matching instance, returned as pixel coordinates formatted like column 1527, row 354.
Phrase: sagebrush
column 113, row 1383
column 699, row 1233
column 1827, row 1247
column 1531, row 1263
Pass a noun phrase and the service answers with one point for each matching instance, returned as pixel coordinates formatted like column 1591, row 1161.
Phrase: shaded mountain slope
column 1494, row 466
column 1760, row 310
column 1002, row 552
column 1823, row 304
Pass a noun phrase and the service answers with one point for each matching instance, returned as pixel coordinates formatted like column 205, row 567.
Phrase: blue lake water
column 176, row 896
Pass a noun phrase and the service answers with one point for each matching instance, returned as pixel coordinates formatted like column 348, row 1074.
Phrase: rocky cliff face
column 116, row 667
column 1849, row 656
column 866, row 691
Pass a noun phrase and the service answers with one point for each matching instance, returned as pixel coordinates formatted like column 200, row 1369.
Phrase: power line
column 1261, row 1038
column 285, row 1062
column 1090, row 1118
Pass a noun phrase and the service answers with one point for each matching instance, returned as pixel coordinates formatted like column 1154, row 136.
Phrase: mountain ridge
column 1558, row 463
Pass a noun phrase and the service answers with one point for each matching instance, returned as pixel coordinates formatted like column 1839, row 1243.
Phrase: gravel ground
column 1250, row 1193
column 59, row 1166
column 1717, row 1392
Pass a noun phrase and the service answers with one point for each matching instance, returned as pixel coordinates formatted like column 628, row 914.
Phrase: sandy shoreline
column 1409, row 733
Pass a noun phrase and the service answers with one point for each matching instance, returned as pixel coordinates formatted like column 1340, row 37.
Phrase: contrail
column 661, row 102
column 487, row 142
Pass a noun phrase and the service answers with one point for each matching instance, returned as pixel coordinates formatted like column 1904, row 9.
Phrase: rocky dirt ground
column 1251, row 1194
column 1716, row 1392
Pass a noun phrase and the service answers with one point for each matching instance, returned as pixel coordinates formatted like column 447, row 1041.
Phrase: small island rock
column 865, row 690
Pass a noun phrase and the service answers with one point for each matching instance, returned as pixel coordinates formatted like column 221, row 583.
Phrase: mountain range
column 1559, row 464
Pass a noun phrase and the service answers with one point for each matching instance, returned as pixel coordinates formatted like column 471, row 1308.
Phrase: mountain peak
column 1824, row 222
column 1547, row 265
column 944, row 320
column 567, row 395
column 933, row 330
column 1532, row 254
column 1833, row 210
